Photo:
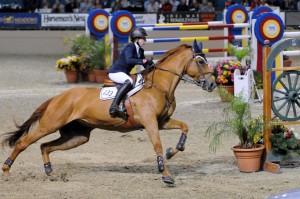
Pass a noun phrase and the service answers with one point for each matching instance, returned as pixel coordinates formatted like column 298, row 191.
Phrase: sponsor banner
column 145, row 18
column 63, row 20
column 28, row 20
column 185, row 17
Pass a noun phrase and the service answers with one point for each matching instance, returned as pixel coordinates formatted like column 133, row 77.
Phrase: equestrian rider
column 131, row 55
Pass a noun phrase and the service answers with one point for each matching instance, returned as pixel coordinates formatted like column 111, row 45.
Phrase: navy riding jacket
column 127, row 59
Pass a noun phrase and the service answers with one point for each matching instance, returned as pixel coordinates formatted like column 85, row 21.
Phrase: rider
column 131, row 55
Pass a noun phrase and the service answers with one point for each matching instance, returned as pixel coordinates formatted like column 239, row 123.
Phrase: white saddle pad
column 108, row 93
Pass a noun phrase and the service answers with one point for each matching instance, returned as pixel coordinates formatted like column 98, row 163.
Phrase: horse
column 151, row 108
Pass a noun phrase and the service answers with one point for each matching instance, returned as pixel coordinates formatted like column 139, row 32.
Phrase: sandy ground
column 115, row 165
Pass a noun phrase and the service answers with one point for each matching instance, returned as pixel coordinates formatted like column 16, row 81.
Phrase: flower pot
column 287, row 63
column 84, row 76
column 92, row 76
column 100, row 75
column 248, row 160
column 226, row 96
column 72, row 76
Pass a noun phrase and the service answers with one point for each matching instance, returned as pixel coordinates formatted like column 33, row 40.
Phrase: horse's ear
column 200, row 46
column 196, row 47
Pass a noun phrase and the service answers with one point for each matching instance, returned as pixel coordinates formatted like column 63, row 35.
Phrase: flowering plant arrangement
column 67, row 64
column 283, row 139
column 223, row 71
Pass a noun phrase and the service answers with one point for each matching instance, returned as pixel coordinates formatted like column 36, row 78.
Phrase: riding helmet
column 138, row 33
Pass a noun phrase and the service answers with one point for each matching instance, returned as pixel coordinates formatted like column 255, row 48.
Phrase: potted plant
column 286, row 61
column 223, row 71
column 87, row 67
column 80, row 46
column 98, row 56
column 240, row 52
column 238, row 122
column 70, row 65
column 285, row 143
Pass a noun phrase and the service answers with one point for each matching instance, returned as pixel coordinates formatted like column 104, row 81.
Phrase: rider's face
column 141, row 41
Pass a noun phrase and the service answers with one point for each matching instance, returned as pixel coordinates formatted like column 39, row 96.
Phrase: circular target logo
column 122, row 23
column 238, row 16
column 268, row 26
column 271, row 29
column 97, row 22
column 100, row 22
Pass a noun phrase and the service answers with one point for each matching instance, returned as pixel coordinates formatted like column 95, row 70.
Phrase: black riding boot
column 114, row 108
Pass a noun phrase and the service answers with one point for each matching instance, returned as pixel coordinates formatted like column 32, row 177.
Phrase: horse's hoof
column 6, row 173
column 168, row 180
column 169, row 153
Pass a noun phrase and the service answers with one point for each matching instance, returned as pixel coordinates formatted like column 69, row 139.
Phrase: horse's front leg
column 151, row 127
column 175, row 124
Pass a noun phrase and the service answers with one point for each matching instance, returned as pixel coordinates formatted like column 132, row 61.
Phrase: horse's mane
column 172, row 52
column 166, row 55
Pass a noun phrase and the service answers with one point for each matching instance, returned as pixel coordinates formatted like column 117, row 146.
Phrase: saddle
column 110, row 88
column 109, row 83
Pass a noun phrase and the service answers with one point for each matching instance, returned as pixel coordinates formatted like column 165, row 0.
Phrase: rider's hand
column 149, row 62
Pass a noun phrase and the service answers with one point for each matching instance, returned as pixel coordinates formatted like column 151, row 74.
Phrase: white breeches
column 119, row 77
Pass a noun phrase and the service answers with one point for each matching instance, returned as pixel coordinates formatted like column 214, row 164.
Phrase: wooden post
column 267, row 166
column 267, row 96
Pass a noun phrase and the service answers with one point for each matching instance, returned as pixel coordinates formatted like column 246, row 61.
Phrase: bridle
column 200, row 82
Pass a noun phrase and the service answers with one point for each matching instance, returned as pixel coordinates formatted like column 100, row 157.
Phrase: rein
column 185, row 78
column 200, row 82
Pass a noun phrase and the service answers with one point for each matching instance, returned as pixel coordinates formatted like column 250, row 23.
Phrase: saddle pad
column 108, row 93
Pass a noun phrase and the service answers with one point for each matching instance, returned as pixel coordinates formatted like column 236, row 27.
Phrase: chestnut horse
column 150, row 108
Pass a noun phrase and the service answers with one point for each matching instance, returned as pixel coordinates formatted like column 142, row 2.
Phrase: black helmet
column 138, row 33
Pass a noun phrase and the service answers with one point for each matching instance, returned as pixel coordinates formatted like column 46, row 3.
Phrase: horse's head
column 199, row 69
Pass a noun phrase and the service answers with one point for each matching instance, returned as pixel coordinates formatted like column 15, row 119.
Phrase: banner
column 63, row 20
column 19, row 20
column 145, row 18
column 185, row 17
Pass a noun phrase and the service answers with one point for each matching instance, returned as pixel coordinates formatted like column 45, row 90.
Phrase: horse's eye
column 201, row 62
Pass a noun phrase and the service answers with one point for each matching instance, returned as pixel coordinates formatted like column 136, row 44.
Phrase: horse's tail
column 12, row 137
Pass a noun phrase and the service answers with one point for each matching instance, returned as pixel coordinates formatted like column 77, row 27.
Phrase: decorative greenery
column 91, row 52
column 223, row 71
column 86, row 64
column 237, row 121
column 239, row 52
column 80, row 44
column 258, row 78
column 70, row 63
column 98, row 51
column 283, row 139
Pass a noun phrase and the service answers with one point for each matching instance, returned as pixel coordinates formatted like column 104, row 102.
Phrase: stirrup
column 114, row 111
column 120, row 114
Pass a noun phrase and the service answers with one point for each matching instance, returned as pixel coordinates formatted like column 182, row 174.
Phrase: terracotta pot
column 101, row 75
column 84, row 76
column 92, row 76
column 287, row 63
column 248, row 160
column 225, row 97
column 72, row 76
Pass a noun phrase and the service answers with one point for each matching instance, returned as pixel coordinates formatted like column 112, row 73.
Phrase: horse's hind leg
column 22, row 144
column 72, row 135
column 175, row 124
